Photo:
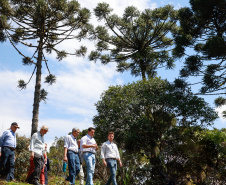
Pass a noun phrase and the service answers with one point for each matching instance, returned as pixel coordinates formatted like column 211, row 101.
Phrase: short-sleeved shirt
column 109, row 150
column 70, row 143
column 8, row 139
column 87, row 140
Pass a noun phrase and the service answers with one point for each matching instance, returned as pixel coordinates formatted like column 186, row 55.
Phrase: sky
column 79, row 85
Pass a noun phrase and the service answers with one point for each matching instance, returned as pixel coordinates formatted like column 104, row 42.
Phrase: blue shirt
column 8, row 139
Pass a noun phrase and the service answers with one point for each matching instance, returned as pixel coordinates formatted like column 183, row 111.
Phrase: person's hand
column 32, row 155
column 65, row 158
column 95, row 146
column 120, row 164
column 105, row 164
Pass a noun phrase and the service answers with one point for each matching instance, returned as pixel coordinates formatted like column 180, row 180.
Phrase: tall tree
column 137, row 41
column 43, row 25
column 203, row 28
column 143, row 112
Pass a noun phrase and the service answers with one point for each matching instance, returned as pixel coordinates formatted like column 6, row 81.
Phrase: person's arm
column 33, row 138
column 103, row 154
column 118, row 156
column 2, row 138
column 90, row 146
column 65, row 154
column 65, row 148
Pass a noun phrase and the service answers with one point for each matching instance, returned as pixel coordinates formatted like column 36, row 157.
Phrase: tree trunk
column 34, row 126
column 143, row 70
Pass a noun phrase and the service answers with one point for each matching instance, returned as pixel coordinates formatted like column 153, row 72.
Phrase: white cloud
column 219, row 111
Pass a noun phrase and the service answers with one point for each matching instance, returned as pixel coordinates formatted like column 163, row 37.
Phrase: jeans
column 112, row 166
column 46, row 175
column 73, row 166
column 90, row 165
column 7, row 163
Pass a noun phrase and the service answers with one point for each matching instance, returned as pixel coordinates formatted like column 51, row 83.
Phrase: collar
column 89, row 136
column 40, row 134
column 73, row 137
column 11, row 131
column 110, row 142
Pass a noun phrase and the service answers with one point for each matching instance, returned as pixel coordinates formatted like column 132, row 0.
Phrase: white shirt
column 70, row 143
column 109, row 150
column 87, row 140
column 37, row 144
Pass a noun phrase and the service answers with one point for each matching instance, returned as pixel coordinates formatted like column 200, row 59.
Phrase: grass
column 52, row 181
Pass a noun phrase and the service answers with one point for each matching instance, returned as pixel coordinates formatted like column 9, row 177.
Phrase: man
column 71, row 155
column 110, row 156
column 37, row 149
column 81, row 173
column 8, row 146
column 88, row 147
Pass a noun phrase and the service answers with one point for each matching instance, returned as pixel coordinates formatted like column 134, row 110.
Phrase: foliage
column 137, row 41
column 142, row 113
column 55, row 155
column 22, row 162
column 197, row 152
column 42, row 25
column 203, row 29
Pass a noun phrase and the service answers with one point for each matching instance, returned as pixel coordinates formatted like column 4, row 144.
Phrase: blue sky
column 79, row 82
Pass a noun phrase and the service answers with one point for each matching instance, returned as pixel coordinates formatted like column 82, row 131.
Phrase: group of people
column 75, row 151
column 86, row 147
column 38, row 157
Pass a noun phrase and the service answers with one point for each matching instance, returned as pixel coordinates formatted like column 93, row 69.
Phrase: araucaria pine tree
column 42, row 24
column 137, row 41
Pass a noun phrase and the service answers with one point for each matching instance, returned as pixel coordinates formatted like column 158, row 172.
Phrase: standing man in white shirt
column 71, row 155
column 110, row 156
column 37, row 148
column 88, row 147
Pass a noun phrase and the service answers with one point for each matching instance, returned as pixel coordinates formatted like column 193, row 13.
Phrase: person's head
column 111, row 136
column 75, row 132
column 44, row 129
column 14, row 126
column 45, row 146
column 91, row 131
column 78, row 142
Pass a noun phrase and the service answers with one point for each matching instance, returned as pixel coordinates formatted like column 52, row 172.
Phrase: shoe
column 36, row 183
column 28, row 181
column 13, row 180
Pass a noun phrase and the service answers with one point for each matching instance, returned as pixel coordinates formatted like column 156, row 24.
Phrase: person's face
column 45, row 146
column 76, row 133
column 14, row 128
column 43, row 131
column 111, row 137
column 91, row 132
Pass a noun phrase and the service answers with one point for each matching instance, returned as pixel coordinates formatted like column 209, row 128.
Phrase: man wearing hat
column 8, row 146
column 37, row 149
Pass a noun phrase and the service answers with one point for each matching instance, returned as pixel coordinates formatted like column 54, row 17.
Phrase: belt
column 89, row 152
column 73, row 151
column 11, row 148
column 111, row 158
